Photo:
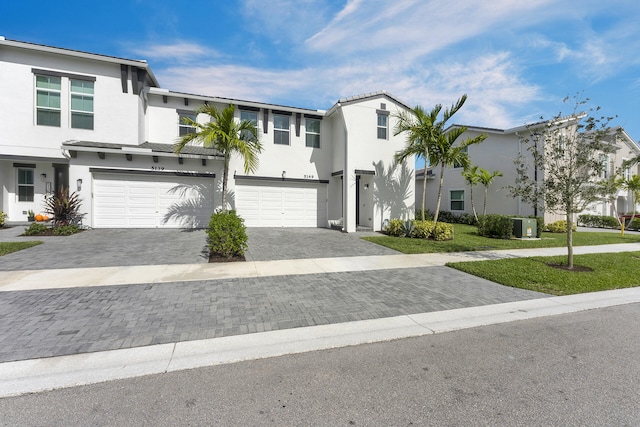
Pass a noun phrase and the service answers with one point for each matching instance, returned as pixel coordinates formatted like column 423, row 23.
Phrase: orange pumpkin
column 39, row 217
column 45, row 218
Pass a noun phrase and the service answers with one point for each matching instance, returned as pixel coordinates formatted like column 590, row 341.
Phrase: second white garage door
column 281, row 205
column 151, row 201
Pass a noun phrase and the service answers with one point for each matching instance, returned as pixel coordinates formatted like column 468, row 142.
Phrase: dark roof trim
column 282, row 113
column 269, row 178
column 24, row 165
column 146, row 172
column 312, row 116
column 383, row 112
column 60, row 74
column 248, row 108
column 338, row 173
column 364, row 172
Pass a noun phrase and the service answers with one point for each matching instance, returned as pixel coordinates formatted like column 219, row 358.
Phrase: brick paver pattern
column 58, row 322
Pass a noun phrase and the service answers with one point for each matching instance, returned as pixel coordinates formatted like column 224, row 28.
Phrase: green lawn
column 8, row 247
column 610, row 271
column 466, row 239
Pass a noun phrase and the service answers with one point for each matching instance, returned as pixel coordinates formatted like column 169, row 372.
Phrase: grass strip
column 8, row 247
column 609, row 271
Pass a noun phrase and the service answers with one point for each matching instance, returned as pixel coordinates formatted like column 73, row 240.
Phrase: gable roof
column 359, row 98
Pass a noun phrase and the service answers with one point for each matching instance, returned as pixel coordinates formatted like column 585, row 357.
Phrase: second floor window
column 312, row 136
column 185, row 128
column 81, row 104
column 48, row 100
column 281, row 129
column 251, row 116
column 465, row 151
column 383, row 121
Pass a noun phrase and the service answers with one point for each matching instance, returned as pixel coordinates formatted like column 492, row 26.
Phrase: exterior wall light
column 284, row 175
column 79, row 184
column 43, row 177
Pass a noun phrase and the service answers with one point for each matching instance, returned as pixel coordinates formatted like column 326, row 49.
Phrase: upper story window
column 281, row 129
column 312, row 129
column 465, row 150
column 25, row 185
column 251, row 116
column 81, row 104
column 604, row 166
column 383, row 125
column 185, row 128
column 48, row 100
column 456, row 198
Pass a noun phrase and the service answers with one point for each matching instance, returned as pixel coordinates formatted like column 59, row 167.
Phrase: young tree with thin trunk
column 485, row 178
column 472, row 178
column 226, row 135
column 632, row 185
column 567, row 156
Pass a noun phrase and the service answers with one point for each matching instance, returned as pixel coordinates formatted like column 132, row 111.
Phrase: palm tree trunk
column 225, row 177
column 435, row 216
column 484, row 210
column 473, row 208
column 424, row 188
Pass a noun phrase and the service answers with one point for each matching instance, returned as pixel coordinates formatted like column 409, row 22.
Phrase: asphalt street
column 571, row 370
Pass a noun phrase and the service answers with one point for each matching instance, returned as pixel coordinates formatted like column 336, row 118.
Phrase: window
column 48, row 100
column 251, row 116
column 183, row 128
column 466, row 153
column 604, row 162
column 281, row 129
column 457, row 200
column 312, row 127
column 81, row 104
column 25, row 185
column 382, row 126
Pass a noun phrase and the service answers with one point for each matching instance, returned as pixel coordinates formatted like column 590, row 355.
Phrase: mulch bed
column 217, row 258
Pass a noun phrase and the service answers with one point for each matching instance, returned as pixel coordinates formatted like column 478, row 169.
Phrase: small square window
column 186, row 128
column 312, row 135
column 457, row 200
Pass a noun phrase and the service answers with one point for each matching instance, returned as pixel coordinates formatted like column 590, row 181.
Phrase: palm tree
column 470, row 175
column 227, row 136
column 633, row 186
column 609, row 189
column 444, row 152
column 486, row 179
column 421, row 135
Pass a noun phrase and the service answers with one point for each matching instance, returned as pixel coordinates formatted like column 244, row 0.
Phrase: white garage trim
column 281, row 204
column 143, row 200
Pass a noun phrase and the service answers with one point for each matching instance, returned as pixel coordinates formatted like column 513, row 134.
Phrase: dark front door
column 61, row 177
column 357, row 199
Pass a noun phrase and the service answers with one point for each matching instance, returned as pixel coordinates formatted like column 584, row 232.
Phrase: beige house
column 497, row 153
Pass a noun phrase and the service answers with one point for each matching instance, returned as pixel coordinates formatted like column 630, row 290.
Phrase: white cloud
column 181, row 51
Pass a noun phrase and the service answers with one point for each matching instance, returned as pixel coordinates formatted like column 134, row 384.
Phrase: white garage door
column 282, row 205
column 151, row 201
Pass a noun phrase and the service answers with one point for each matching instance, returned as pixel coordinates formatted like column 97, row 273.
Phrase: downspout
column 345, row 173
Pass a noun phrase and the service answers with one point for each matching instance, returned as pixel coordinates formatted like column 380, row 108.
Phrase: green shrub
column 442, row 231
column 635, row 224
column 427, row 214
column 3, row 217
column 598, row 221
column 34, row 228
column 558, row 227
column 65, row 230
column 395, row 228
column 227, row 235
column 449, row 217
column 422, row 229
column 496, row 226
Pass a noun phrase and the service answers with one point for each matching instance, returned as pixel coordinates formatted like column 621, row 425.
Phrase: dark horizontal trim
column 157, row 173
column 60, row 165
column 60, row 74
column 282, row 113
column 309, row 116
column 24, row 165
column 269, row 178
column 190, row 112
column 383, row 112
column 337, row 173
column 364, row 172
column 248, row 108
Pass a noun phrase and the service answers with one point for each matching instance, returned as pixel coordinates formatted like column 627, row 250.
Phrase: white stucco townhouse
column 497, row 153
column 103, row 127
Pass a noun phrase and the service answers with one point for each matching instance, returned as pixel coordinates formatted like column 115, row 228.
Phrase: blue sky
column 515, row 59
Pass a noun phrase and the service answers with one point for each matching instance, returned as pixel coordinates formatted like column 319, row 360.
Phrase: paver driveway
column 120, row 247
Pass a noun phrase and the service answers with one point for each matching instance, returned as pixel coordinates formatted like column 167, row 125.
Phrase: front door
column 357, row 200
column 60, row 177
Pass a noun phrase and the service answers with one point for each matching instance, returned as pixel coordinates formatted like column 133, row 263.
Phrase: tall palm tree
column 420, row 127
column 227, row 136
column 486, row 179
column 472, row 178
column 444, row 152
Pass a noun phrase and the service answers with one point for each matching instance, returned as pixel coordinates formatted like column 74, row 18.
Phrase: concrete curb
column 29, row 376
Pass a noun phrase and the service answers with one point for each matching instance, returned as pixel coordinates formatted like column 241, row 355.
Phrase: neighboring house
column 498, row 152
column 103, row 127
